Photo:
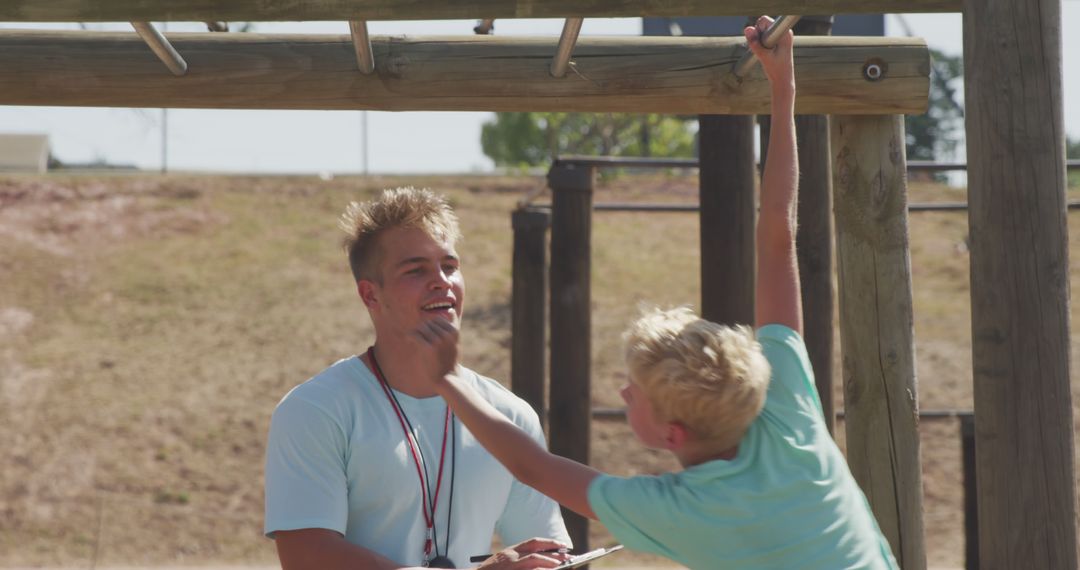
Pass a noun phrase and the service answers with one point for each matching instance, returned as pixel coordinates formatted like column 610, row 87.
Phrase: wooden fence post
column 971, row 502
column 1019, row 284
column 876, row 326
column 726, row 187
column 571, row 323
column 814, row 245
column 528, row 350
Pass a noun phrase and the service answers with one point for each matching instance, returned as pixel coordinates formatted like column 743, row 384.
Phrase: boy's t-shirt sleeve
column 634, row 510
column 305, row 470
column 792, row 386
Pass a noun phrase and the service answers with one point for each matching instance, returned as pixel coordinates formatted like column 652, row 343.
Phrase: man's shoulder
column 341, row 381
column 500, row 397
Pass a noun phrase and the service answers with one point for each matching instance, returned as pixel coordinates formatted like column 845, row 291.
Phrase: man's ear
column 369, row 293
column 677, row 436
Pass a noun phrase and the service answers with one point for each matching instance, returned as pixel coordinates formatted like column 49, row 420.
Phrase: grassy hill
column 149, row 324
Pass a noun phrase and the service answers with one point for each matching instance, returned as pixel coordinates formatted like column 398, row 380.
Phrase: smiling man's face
column 421, row 280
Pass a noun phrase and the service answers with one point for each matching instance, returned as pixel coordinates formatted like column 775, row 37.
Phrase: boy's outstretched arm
column 777, row 295
column 564, row 480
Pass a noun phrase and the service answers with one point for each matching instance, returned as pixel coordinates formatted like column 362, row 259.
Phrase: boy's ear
column 677, row 436
column 369, row 293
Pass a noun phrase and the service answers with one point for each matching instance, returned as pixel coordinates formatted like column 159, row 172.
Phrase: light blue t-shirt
column 337, row 459
column 787, row 500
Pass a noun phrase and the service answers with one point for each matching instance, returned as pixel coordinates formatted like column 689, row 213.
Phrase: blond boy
column 763, row 484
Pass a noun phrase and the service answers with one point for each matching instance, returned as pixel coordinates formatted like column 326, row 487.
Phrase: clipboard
column 583, row 559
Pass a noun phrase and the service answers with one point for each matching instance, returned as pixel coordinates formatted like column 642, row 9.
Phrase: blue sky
column 331, row 141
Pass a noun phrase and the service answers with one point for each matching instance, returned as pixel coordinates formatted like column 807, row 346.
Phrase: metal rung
column 570, row 32
column 365, row 59
column 769, row 39
column 484, row 27
column 161, row 47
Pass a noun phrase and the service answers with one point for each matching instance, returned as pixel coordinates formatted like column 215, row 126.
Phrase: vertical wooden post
column 876, row 327
column 528, row 348
column 571, row 323
column 814, row 241
column 971, row 502
column 726, row 187
column 1019, row 284
column 814, row 246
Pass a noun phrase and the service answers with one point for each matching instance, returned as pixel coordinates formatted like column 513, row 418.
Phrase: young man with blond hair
column 763, row 484
column 366, row 466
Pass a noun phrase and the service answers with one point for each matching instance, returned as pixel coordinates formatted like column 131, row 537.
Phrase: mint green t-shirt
column 787, row 500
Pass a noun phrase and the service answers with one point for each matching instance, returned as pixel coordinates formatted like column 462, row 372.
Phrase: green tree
column 531, row 139
column 935, row 134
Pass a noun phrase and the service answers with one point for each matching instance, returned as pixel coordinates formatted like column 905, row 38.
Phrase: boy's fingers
column 428, row 333
column 441, row 331
column 443, row 326
column 422, row 335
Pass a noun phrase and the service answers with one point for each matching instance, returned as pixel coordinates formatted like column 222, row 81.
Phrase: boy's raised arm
column 777, row 295
column 564, row 480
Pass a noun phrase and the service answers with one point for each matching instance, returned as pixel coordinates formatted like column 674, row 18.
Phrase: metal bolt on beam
column 161, row 47
column 365, row 58
column 569, row 36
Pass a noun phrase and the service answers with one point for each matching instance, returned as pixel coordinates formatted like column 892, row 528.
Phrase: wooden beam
column 877, row 336
column 307, row 10
column 459, row 73
column 1024, row 428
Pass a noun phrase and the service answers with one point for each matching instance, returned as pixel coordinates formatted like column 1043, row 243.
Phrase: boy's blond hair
column 710, row 378
column 404, row 207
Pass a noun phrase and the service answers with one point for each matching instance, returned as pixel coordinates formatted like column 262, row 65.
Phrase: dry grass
column 149, row 324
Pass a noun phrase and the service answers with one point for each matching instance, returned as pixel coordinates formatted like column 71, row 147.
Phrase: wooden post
column 1019, row 284
column 814, row 240
column 571, row 323
column 971, row 501
column 876, row 327
column 528, row 348
column 726, row 188
column 814, row 245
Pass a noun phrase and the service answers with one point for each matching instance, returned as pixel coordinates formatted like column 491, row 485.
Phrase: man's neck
column 400, row 369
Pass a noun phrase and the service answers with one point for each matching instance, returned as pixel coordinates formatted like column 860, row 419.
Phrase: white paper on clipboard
column 582, row 559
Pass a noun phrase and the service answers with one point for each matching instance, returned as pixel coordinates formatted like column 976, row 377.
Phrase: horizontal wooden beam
column 306, row 10
column 460, row 73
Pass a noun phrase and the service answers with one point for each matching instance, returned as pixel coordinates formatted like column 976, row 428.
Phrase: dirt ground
column 149, row 324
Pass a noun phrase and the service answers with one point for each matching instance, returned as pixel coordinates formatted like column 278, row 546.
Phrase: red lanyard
column 414, row 447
